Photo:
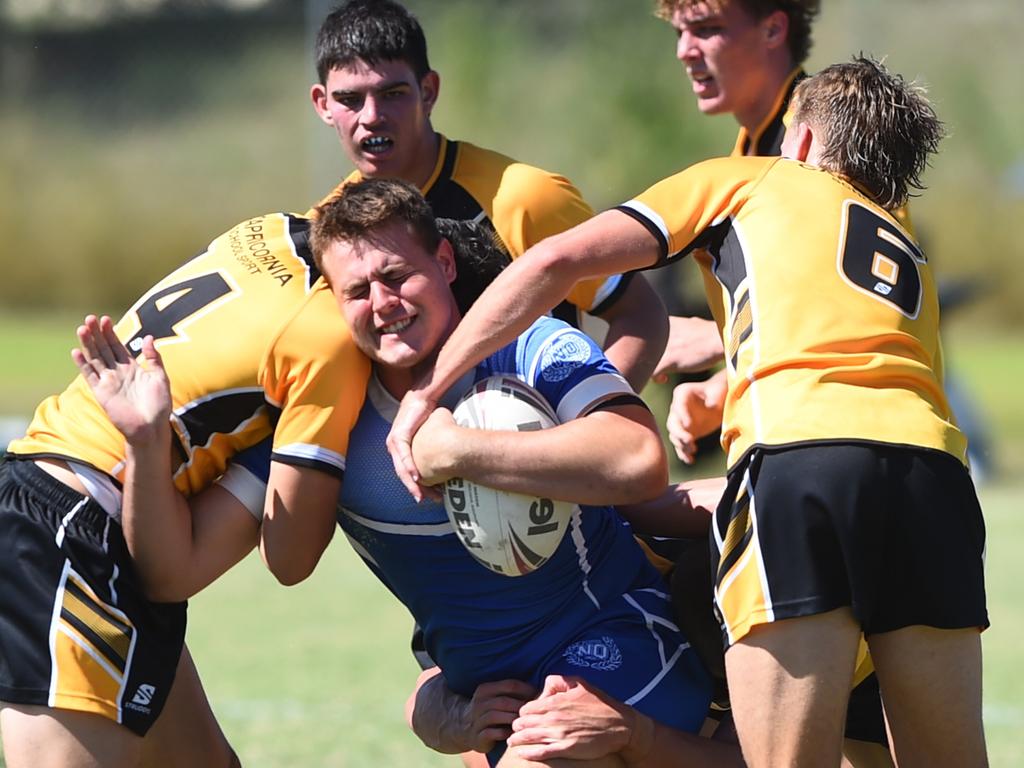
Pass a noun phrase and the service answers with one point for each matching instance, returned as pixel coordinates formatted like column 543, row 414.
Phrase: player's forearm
column 156, row 520
column 653, row 745
column 672, row 514
column 436, row 714
column 603, row 458
column 638, row 330
column 501, row 313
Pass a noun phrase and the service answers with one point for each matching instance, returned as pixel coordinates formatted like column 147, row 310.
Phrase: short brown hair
column 875, row 129
column 364, row 206
column 801, row 14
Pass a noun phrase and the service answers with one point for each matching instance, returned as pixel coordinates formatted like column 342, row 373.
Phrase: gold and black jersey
column 522, row 204
column 253, row 343
column 827, row 306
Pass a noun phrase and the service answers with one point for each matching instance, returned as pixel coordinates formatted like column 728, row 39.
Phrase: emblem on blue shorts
column 567, row 353
column 603, row 654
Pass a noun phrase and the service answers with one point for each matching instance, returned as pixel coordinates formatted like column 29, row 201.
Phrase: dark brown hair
column 364, row 206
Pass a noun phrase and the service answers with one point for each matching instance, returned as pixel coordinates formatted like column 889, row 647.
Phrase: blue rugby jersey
column 479, row 625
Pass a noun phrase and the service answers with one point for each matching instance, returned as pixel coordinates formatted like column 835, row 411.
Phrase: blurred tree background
column 134, row 131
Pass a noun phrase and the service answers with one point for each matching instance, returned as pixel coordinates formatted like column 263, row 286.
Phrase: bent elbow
column 649, row 470
column 290, row 574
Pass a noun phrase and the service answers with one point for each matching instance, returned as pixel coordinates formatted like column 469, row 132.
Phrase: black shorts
column 693, row 606
column 895, row 533
column 76, row 631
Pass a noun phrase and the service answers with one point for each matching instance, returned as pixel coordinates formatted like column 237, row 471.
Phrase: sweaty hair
column 479, row 258
column 365, row 206
column 801, row 15
column 371, row 31
column 875, row 129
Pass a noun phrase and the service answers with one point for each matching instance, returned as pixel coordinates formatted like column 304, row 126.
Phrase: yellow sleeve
column 683, row 206
column 317, row 378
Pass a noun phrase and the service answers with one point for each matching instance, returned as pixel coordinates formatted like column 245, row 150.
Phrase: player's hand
column 571, row 719
column 434, row 448
column 135, row 394
column 696, row 411
column 413, row 411
column 489, row 714
column 694, row 344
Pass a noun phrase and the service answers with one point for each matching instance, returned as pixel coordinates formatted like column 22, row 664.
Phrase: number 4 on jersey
column 879, row 259
column 159, row 319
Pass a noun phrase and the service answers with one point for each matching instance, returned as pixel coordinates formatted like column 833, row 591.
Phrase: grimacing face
column 394, row 294
column 381, row 114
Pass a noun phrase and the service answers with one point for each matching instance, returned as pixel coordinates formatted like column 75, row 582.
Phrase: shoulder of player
column 507, row 179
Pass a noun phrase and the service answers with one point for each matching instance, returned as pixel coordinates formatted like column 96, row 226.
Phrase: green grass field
column 316, row 675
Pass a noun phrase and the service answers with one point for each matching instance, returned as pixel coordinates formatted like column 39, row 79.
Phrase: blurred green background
column 132, row 132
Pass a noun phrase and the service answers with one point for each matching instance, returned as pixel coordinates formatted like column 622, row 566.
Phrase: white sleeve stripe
column 246, row 487
column 650, row 214
column 309, row 452
column 592, row 390
column 607, row 289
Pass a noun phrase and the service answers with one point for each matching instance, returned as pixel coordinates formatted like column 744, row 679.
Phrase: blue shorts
column 636, row 654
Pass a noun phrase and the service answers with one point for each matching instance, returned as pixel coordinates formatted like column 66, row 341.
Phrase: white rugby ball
column 510, row 533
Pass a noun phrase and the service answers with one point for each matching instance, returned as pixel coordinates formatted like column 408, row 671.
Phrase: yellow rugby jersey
column 522, row 204
column 253, row 343
column 827, row 307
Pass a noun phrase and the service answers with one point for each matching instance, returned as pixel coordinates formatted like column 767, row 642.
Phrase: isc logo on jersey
column 510, row 533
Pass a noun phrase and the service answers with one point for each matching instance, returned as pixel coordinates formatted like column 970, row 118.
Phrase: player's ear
column 318, row 95
column 775, row 27
column 430, row 87
column 801, row 142
column 446, row 258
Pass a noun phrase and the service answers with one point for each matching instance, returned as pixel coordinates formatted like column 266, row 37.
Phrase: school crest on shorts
column 602, row 655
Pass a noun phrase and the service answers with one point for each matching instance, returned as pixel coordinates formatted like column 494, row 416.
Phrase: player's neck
column 753, row 115
column 426, row 159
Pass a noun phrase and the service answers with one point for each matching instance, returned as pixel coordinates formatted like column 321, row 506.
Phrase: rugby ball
column 509, row 533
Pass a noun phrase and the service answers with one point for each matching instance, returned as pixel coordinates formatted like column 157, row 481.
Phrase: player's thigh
column 789, row 683
column 918, row 666
column 511, row 760
column 187, row 733
column 638, row 656
column 40, row 737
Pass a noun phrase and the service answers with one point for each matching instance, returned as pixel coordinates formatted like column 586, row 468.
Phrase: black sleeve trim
column 614, row 402
column 302, row 461
column 658, row 234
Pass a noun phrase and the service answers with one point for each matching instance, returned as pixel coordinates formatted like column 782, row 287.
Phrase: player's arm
column 317, row 377
column 682, row 511
column 453, row 724
column 298, row 520
column 694, row 344
column 696, row 411
column 178, row 547
column 609, row 243
column 638, row 330
column 612, row 455
column 572, row 719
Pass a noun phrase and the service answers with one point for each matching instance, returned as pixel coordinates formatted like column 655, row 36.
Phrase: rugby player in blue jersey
column 597, row 610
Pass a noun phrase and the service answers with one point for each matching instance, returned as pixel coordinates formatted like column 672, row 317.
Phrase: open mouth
column 376, row 145
column 396, row 327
